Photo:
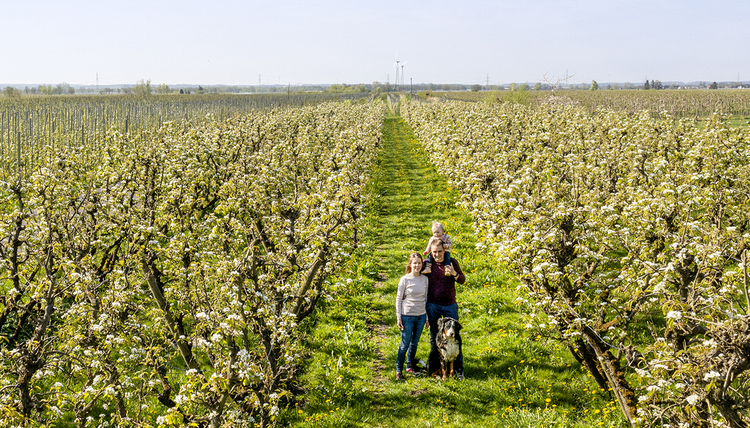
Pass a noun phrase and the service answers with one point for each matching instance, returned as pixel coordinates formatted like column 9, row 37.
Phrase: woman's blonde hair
column 412, row 256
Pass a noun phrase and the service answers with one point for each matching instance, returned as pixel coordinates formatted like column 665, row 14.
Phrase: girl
column 411, row 299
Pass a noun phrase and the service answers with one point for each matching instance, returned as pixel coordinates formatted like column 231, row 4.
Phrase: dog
column 448, row 342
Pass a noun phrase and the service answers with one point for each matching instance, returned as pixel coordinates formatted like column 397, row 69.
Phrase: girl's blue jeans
column 410, row 335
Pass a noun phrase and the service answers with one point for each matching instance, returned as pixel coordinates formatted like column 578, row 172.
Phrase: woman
column 411, row 299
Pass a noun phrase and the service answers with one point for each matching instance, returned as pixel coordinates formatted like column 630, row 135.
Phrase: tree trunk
column 615, row 374
column 587, row 358
column 731, row 416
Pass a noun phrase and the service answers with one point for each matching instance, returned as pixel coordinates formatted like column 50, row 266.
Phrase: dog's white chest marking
column 451, row 349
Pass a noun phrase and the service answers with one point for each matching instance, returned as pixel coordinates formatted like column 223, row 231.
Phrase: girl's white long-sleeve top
column 411, row 297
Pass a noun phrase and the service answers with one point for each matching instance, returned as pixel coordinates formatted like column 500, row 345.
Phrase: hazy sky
column 352, row 41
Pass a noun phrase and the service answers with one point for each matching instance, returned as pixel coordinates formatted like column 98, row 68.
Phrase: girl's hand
column 400, row 324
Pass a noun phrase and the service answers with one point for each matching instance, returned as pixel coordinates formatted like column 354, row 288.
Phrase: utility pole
column 97, row 81
column 488, row 81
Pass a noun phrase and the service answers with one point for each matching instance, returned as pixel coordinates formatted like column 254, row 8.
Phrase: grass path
column 512, row 378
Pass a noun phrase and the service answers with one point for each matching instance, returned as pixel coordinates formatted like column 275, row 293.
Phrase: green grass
column 513, row 378
column 739, row 121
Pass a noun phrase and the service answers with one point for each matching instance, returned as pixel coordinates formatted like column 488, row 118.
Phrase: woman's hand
column 400, row 324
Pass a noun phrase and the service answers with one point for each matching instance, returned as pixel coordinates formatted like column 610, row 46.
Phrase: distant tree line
column 145, row 88
column 61, row 89
column 655, row 84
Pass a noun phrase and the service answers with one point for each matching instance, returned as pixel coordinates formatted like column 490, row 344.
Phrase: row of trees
column 162, row 279
column 141, row 88
column 29, row 125
column 679, row 104
column 629, row 234
column 655, row 84
column 61, row 89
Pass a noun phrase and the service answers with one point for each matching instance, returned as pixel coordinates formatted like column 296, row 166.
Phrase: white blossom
column 675, row 315
column 711, row 375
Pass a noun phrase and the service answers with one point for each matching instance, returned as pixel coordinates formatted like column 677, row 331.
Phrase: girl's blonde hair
column 437, row 224
column 412, row 256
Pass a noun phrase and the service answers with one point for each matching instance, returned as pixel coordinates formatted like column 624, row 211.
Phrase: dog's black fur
column 448, row 341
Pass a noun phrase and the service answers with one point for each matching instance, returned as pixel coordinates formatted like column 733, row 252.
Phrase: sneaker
column 460, row 376
column 399, row 376
column 427, row 268
column 414, row 372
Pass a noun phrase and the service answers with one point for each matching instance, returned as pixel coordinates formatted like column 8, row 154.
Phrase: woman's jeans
column 413, row 325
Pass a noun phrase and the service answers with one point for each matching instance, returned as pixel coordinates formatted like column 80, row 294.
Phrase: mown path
column 410, row 195
column 512, row 379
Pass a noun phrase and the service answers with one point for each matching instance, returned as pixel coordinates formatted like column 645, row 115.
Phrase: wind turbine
column 396, row 64
column 402, row 72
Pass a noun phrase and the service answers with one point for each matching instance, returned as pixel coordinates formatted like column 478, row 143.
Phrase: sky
column 285, row 42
